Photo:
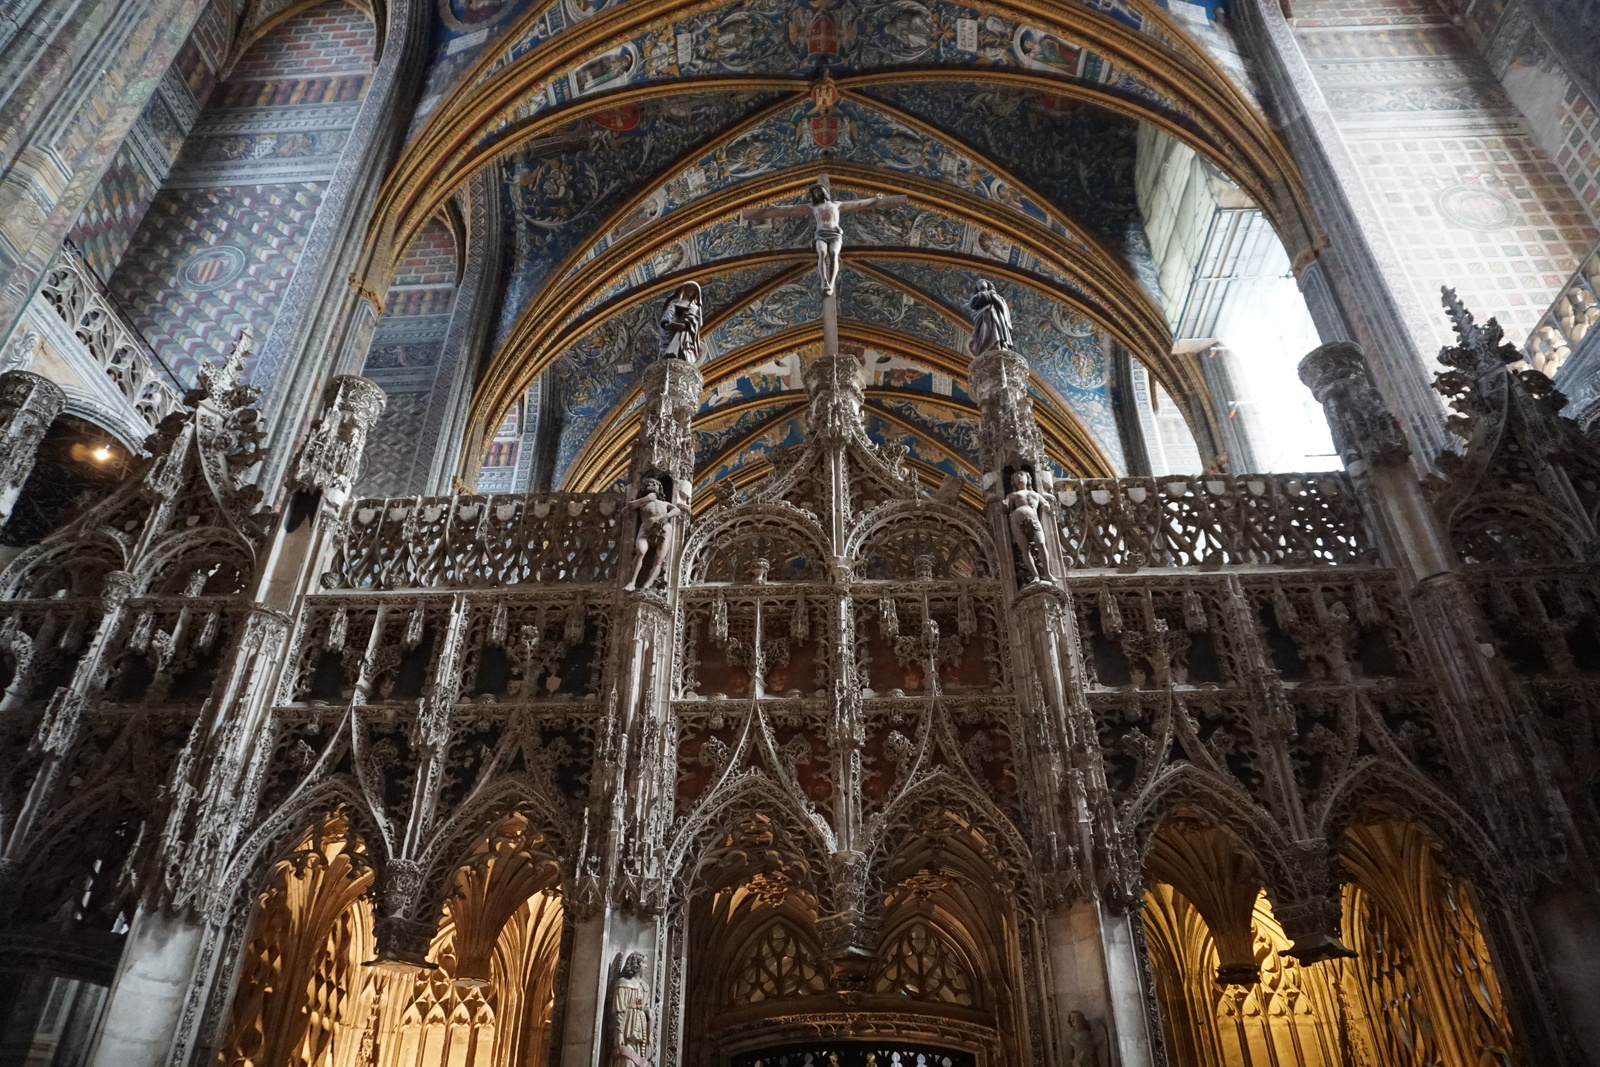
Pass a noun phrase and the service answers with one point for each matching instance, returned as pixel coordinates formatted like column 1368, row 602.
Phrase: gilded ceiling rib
column 1127, row 312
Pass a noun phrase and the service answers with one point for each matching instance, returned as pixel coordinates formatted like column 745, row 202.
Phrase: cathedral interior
column 799, row 533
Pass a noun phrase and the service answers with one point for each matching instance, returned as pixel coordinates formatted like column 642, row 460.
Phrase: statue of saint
column 825, row 212
column 991, row 319
column 649, row 544
column 1024, row 503
column 628, row 1012
column 680, row 321
column 1083, row 1044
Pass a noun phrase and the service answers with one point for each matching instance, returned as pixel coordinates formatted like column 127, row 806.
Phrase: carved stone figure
column 1023, row 505
column 19, row 351
column 628, row 1012
column 649, row 544
column 825, row 212
column 991, row 319
column 680, row 321
column 1083, row 1046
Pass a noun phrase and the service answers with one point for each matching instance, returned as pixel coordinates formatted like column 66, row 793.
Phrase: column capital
column 671, row 389
column 1363, row 427
column 1009, row 433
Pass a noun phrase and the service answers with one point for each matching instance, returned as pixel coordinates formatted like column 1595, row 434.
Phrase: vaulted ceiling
column 625, row 138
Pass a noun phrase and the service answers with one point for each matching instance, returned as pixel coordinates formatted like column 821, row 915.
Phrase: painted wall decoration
column 715, row 434
column 405, row 359
column 914, row 226
column 785, row 434
column 1079, row 156
column 559, row 190
column 775, row 37
column 866, row 299
column 218, row 247
column 864, row 135
column 109, row 220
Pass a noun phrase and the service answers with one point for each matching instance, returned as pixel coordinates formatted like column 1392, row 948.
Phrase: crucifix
column 825, row 212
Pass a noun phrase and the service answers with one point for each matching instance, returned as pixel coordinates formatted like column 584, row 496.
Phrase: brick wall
column 405, row 359
column 332, row 38
column 219, row 246
column 1462, row 188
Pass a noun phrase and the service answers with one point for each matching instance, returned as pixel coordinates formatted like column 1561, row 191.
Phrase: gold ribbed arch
column 604, row 457
column 1120, row 305
column 1223, row 125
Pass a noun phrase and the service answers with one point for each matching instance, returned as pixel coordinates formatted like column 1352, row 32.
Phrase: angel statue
column 680, row 321
column 991, row 319
column 628, row 1009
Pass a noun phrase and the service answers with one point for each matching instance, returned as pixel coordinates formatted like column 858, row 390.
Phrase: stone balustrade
column 1211, row 521
column 110, row 342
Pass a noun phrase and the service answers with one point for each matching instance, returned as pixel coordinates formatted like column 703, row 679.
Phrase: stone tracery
column 833, row 696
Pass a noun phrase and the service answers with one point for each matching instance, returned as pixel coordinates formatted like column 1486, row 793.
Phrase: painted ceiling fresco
column 1080, row 157
column 558, row 190
column 620, row 196
column 781, row 37
column 861, row 135
column 915, row 226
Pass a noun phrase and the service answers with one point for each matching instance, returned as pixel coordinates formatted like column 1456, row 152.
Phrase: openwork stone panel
column 1212, row 520
column 479, row 541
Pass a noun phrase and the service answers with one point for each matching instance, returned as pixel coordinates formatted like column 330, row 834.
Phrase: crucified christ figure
column 824, row 211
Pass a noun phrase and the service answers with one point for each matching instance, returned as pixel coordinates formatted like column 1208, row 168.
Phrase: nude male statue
column 650, row 542
column 825, row 212
column 1024, row 504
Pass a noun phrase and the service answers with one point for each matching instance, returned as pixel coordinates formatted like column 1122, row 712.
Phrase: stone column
column 1480, row 723
column 1353, row 279
column 621, row 885
column 1091, row 956
column 328, row 314
column 149, row 991
column 28, row 405
column 1376, row 456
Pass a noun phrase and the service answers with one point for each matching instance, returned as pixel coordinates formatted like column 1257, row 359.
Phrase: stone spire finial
column 331, row 456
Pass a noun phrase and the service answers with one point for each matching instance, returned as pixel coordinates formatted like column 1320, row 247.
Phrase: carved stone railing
column 114, row 345
column 1570, row 319
column 1212, row 520
column 476, row 542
